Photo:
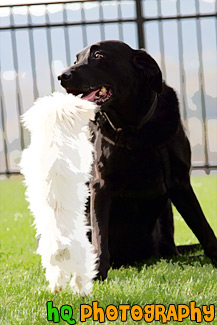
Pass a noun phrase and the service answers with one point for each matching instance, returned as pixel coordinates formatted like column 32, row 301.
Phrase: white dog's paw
column 56, row 277
column 54, row 288
column 80, row 285
column 76, row 283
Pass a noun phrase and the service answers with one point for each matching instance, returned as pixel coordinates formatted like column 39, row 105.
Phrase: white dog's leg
column 84, row 272
column 55, row 271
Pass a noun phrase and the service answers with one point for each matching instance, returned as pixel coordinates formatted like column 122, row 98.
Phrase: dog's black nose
column 65, row 76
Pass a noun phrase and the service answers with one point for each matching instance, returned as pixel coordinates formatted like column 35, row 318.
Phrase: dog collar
column 144, row 120
column 125, row 137
column 150, row 112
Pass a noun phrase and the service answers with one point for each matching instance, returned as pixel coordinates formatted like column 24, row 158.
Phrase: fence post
column 140, row 22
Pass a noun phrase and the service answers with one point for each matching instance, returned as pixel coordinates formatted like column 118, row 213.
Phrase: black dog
column 142, row 158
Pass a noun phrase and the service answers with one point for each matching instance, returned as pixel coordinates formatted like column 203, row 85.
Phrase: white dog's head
column 70, row 111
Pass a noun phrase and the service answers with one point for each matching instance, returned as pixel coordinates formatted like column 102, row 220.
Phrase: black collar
column 122, row 135
column 144, row 120
column 150, row 112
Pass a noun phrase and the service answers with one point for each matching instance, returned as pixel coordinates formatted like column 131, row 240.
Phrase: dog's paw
column 56, row 277
column 81, row 285
column 55, row 288
column 76, row 283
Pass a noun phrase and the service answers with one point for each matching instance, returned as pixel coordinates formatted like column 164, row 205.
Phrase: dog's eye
column 98, row 55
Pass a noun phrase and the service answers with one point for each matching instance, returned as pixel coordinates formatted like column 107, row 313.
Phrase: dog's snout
column 65, row 76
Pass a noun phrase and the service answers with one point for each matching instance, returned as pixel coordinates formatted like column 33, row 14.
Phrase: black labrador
column 142, row 157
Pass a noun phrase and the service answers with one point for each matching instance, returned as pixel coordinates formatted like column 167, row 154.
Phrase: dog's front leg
column 100, row 203
column 185, row 200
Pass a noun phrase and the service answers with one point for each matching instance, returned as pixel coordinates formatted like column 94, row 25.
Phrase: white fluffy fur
column 56, row 167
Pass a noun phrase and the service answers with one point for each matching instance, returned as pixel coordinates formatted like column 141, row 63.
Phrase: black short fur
column 142, row 159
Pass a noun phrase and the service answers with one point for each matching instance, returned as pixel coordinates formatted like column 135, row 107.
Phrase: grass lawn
column 23, row 289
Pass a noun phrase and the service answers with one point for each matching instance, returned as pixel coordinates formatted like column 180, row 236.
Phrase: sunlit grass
column 205, row 188
column 23, row 288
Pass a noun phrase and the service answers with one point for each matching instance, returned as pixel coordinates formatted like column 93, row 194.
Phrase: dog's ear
column 143, row 61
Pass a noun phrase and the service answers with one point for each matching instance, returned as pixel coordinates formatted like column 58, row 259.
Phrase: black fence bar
column 49, row 48
column 161, row 39
column 140, row 21
column 42, row 3
column 102, row 29
column 66, row 35
column 32, row 56
column 9, row 173
column 4, row 133
column 216, row 22
column 207, row 168
column 16, row 68
column 120, row 26
column 82, row 23
column 201, row 85
column 84, row 31
column 109, row 21
column 183, row 93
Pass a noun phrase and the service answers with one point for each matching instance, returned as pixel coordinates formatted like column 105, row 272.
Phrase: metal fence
column 39, row 40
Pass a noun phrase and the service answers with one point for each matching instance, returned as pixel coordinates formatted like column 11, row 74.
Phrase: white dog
column 56, row 167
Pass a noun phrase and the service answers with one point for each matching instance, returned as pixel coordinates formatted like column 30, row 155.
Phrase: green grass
column 23, row 289
column 206, row 191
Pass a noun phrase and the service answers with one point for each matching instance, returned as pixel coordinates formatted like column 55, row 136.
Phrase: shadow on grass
column 189, row 255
